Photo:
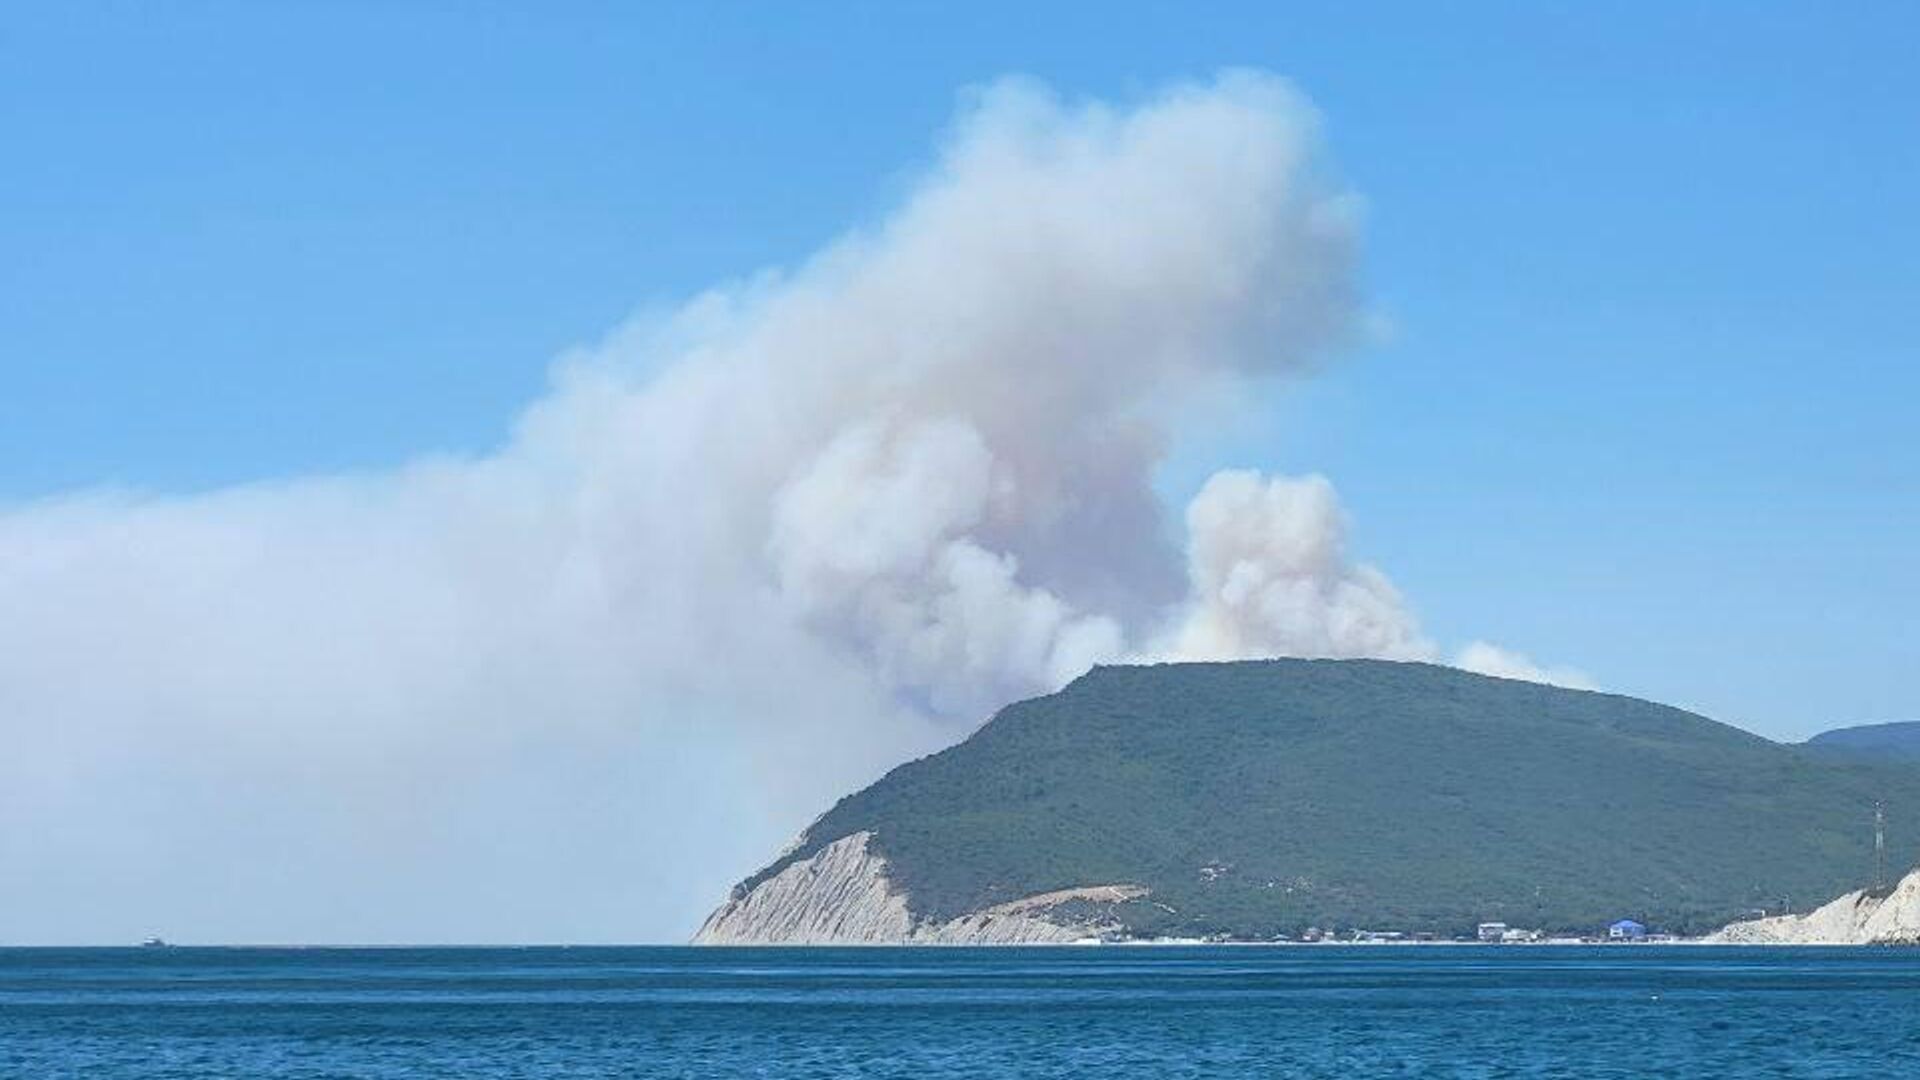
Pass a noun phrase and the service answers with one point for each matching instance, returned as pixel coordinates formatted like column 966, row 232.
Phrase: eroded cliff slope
column 842, row 895
column 1861, row 917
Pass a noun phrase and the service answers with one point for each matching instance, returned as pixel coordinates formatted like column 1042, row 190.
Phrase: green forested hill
column 1259, row 798
column 1885, row 741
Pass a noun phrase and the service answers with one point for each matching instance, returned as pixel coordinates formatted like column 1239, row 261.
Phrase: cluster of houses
column 1623, row 930
column 1626, row 931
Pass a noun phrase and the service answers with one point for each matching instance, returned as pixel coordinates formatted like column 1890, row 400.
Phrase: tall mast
column 1879, row 847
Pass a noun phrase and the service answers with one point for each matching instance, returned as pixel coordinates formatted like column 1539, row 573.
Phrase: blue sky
column 1644, row 408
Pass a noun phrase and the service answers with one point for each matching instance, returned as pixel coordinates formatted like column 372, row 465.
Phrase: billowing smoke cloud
column 742, row 557
column 1271, row 577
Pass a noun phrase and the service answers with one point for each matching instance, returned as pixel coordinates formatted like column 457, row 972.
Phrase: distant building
column 1492, row 931
column 1626, row 930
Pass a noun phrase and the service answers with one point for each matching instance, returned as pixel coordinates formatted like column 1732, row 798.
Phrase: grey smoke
column 741, row 557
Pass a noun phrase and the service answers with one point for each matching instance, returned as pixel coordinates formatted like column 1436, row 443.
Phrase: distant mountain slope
column 1891, row 741
column 1259, row 798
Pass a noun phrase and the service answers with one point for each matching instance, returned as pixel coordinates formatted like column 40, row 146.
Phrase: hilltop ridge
column 1898, row 740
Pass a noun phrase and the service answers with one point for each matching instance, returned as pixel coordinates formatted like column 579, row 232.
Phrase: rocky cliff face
column 1861, row 917
column 842, row 895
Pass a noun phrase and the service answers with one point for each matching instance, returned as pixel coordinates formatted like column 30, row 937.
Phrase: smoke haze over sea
column 744, row 554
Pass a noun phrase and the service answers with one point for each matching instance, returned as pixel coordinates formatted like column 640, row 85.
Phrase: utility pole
column 1879, row 847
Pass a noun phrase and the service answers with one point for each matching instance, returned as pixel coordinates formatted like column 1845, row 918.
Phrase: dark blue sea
column 1625, row 1011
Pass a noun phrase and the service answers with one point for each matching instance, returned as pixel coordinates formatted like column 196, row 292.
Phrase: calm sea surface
column 933, row 1013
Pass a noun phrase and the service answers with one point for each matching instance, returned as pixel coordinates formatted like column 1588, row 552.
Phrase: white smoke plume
column 1270, row 576
column 1487, row 659
column 741, row 558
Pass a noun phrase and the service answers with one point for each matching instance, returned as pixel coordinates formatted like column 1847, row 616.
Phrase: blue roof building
column 1626, row 930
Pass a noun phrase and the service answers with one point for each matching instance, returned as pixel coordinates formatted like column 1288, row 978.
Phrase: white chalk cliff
column 842, row 895
column 1861, row 917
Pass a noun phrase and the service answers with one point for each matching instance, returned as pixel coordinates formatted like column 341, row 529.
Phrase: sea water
column 1623, row 1011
